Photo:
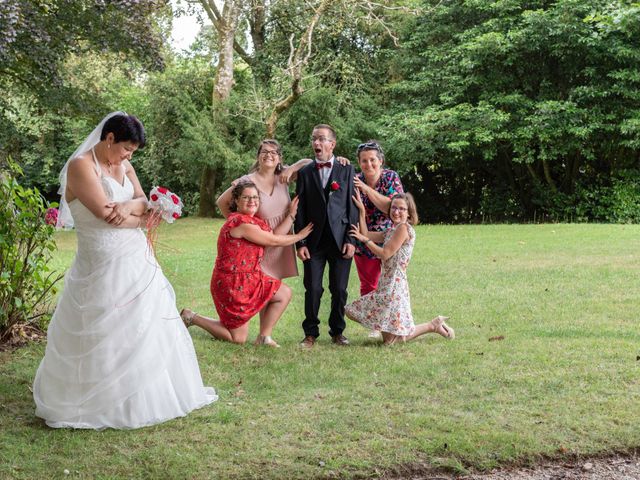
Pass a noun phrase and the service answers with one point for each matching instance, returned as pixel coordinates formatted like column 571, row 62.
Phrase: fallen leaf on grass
column 494, row 339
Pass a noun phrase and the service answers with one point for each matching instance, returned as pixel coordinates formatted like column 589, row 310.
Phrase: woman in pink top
column 271, row 178
column 278, row 262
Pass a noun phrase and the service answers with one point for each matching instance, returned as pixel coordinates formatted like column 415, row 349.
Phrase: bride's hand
column 151, row 218
column 119, row 213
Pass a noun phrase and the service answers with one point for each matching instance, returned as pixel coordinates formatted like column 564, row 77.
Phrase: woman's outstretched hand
column 357, row 200
column 360, row 185
column 304, row 233
column 293, row 207
column 355, row 233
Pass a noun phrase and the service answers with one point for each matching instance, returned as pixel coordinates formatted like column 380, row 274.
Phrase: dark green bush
column 26, row 245
column 607, row 199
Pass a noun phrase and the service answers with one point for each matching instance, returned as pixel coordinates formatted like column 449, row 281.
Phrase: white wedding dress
column 118, row 354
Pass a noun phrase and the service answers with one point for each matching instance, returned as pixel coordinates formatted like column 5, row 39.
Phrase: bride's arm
column 137, row 206
column 84, row 184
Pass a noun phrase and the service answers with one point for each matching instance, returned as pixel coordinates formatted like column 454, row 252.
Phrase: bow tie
column 323, row 165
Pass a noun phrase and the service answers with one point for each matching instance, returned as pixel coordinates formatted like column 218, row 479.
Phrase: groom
column 324, row 188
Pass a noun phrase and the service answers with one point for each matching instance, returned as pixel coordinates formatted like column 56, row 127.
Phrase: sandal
column 187, row 317
column 390, row 341
column 442, row 328
column 266, row 340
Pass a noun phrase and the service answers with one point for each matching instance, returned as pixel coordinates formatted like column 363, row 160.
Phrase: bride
column 117, row 355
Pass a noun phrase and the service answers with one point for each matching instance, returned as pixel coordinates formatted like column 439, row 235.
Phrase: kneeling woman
column 387, row 308
column 239, row 287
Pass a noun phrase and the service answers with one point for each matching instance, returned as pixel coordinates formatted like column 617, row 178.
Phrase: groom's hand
column 303, row 253
column 348, row 250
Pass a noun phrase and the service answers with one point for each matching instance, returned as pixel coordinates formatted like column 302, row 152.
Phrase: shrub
column 26, row 246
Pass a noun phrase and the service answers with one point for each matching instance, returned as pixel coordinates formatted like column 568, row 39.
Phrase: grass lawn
column 563, row 378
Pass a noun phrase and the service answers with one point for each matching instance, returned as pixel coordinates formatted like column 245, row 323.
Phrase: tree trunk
column 226, row 23
column 207, row 205
column 547, row 175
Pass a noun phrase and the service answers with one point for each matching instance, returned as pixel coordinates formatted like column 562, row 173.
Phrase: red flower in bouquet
column 167, row 204
column 335, row 186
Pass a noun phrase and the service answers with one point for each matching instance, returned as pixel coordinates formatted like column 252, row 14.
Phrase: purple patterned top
column 388, row 185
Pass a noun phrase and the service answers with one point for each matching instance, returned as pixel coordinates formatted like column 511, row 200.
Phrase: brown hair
column 327, row 127
column 267, row 141
column 412, row 211
column 237, row 190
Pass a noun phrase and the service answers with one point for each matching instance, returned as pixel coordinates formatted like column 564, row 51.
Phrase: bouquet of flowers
column 165, row 205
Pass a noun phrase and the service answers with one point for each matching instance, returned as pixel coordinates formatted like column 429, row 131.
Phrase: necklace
column 96, row 157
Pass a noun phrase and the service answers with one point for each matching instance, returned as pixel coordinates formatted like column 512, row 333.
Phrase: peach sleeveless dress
column 278, row 262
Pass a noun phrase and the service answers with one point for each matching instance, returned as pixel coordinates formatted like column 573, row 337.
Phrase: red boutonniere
column 335, row 186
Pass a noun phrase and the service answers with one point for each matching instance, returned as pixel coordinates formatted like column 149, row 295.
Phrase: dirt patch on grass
column 613, row 467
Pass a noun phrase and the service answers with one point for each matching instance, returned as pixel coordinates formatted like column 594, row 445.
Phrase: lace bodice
column 93, row 232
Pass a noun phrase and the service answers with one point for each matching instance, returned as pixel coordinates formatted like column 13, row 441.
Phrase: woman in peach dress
column 278, row 262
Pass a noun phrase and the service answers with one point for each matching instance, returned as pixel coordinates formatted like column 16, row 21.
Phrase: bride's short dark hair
column 125, row 128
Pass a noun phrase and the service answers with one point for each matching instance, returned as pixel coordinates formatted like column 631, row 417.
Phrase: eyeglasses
column 398, row 209
column 247, row 198
column 321, row 139
column 266, row 153
column 369, row 146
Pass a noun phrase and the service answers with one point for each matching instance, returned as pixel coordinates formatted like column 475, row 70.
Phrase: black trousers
column 327, row 253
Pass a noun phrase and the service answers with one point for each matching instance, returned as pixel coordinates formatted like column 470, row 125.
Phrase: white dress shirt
column 325, row 173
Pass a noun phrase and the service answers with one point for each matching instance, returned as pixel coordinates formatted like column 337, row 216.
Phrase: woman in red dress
column 239, row 287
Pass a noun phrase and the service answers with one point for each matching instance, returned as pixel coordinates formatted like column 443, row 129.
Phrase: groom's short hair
column 327, row 127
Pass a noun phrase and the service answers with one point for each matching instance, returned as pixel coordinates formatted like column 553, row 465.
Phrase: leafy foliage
column 26, row 246
column 534, row 96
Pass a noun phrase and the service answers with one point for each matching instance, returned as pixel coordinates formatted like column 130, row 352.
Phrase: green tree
column 40, row 89
column 514, row 104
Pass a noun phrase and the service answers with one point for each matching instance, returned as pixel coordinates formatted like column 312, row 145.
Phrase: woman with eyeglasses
column 377, row 185
column 278, row 262
column 271, row 178
column 239, row 286
column 388, row 308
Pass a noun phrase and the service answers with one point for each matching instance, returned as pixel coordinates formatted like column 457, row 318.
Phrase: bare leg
column 270, row 315
column 272, row 312
column 240, row 334
column 214, row 327
column 436, row 325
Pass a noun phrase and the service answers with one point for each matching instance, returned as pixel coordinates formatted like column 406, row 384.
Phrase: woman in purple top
column 376, row 185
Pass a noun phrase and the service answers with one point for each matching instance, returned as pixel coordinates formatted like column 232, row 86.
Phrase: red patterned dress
column 239, row 287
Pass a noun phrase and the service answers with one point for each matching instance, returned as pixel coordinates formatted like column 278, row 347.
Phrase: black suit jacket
column 326, row 207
